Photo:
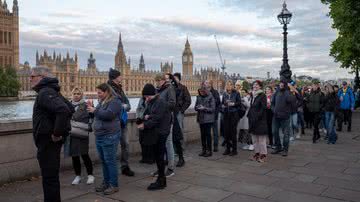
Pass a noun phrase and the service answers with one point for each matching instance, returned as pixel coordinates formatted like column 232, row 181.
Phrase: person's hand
column 352, row 109
column 125, row 106
column 140, row 126
column 147, row 117
column 231, row 104
column 56, row 139
column 90, row 109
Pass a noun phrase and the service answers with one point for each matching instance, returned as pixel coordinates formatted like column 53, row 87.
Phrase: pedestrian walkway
column 311, row 172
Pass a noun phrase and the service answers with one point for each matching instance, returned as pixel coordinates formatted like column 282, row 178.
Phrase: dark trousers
column 206, row 142
column 178, row 145
column 49, row 161
column 160, row 150
column 77, row 164
column 284, row 125
column 269, row 118
column 231, row 120
column 147, row 153
column 317, row 119
column 347, row 117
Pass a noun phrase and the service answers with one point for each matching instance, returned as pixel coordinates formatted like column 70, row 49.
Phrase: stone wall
column 18, row 152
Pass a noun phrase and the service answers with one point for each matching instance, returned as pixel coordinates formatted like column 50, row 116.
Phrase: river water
column 13, row 110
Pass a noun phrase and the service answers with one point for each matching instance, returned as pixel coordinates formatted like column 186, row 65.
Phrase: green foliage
column 346, row 20
column 9, row 84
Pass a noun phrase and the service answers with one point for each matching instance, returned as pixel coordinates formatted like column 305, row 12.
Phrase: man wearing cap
column 347, row 105
column 315, row 104
column 115, row 84
column 157, row 122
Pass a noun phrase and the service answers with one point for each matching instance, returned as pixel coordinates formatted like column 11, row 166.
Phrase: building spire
column 120, row 45
column 15, row 7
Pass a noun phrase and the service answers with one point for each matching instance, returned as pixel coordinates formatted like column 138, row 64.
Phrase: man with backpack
column 51, row 125
column 347, row 106
column 115, row 83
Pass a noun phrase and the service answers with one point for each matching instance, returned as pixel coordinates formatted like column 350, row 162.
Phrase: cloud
column 69, row 14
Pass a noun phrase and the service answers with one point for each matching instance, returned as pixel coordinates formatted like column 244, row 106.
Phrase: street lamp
column 284, row 18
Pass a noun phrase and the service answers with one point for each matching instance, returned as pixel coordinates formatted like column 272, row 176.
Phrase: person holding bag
column 77, row 145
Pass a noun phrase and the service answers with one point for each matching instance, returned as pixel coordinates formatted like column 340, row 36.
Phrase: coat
column 207, row 114
column 167, row 93
column 216, row 96
column 183, row 98
column 51, row 112
column 107, row 117
column 282, row 103
column 315, row 101
column 348, row 101
column 244, row 122
column 331, row 102
column 234, row 97
column 257, row 115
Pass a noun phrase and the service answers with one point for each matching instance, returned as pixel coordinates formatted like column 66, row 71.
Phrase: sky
column 248, row 32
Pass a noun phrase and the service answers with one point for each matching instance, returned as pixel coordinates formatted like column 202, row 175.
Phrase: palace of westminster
column 70, row 75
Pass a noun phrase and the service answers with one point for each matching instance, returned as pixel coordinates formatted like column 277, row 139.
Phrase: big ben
column 187, row 60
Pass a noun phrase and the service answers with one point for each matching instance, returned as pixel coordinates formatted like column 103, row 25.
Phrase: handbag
column 79, row 129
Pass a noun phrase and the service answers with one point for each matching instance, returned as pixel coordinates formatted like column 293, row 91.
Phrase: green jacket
column 315, row 101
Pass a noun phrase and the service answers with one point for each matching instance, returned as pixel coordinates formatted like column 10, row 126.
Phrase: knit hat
column 113, row 74
column 259, row 83
column 344, row 83
column 148, row 89
column 178, row 75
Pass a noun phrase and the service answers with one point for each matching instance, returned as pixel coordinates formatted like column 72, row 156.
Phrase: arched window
column 5, row 37
column 10, row 37
column 1, row 37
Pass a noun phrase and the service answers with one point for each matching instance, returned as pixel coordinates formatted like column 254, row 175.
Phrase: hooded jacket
column 51, row 113
column 207, row 113
column 167, row 93
column 282, row 103
column 183, row 98
column 348, row 98
column 234, row 97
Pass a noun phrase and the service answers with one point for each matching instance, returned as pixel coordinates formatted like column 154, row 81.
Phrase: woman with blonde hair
column 77, row 145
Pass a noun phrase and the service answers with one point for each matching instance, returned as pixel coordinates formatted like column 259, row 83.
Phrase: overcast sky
column 248, row 32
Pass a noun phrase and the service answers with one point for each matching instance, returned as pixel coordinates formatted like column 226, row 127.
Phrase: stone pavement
column 311, row 172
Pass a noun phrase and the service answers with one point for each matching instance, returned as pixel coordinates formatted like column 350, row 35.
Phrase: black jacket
column 234, row 97
column 167, row 93
column 331, row 102
column 183, row 98
column 118, row 91
column 216, row 96
column 282, row 104
column 51, row 113
column 160, row 117
column 257, row 115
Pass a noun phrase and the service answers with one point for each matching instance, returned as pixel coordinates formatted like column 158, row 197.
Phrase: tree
column 9, row 83
column 346, row 20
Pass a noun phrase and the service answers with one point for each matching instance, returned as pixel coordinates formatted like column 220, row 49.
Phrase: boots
column 302, row 131
column 127, row 171
column 208, row 153
column 203, row 152
column 181, row 162
column 227, row 152
column 158, row 185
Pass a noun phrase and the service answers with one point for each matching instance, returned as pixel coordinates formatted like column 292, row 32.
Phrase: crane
column 221, row 59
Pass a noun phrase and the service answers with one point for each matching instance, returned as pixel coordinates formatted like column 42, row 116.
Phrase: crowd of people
column 256, row 119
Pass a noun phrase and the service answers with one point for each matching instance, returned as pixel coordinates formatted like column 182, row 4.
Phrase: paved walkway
column 320, row 172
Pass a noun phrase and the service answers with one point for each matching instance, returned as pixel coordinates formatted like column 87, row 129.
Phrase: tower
column 142, row 63
column 120, row 59
column 187, row 60
column 91, row 63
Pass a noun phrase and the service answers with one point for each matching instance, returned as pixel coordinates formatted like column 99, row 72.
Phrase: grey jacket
column 167, row 93
column 207, row 114
column 107, row 118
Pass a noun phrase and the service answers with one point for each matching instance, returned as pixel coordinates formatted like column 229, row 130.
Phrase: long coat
column 257, row 115
column 244, row 122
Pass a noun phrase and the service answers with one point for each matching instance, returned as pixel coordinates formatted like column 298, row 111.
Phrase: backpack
column 123, row 118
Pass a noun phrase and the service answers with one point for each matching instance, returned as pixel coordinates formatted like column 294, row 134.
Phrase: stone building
column 9, row 35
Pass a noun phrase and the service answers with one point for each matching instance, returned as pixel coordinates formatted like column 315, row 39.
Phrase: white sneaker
column 76, row 181
column 90, row 179
column 251, row 147
column 298, row 136
column 246, row 147
column 292, row 138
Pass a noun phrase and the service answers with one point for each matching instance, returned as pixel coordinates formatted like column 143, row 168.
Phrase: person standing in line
column 230, row 108
column 315, row 105
column 183, row 102
column 51, row 125
column 243, row 125
column 115, row 84
column 205, row 106
column 156, row 124
column 269, row 114
column 281, row 105
column 215, row 127
column 257, row 122
column 347, row 104
column 294, row 127
column 330, row 105
column 166, row 91
column 78, row 145
column 107, row 130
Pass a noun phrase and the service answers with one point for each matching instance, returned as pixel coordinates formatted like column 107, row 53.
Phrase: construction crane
column 221, row 59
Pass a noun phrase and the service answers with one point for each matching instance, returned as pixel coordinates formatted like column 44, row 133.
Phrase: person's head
column 177, row 77
column 244, row 92
column 329, row 89
column 77, row 94
column 208, row 84
column 37, row 74
column 149, row 92
column 282, row 85
column 344, row 84
column 115, row 76
column 336, row 88
column 104, row 93
column 315, row 85
column 238, row 85
column 169, row 77
column 203, row 91
column 268, row 90
column 257, row 85
column 229, row 86
column 160, row 79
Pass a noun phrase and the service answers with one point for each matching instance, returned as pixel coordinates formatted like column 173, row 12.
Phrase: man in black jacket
column 183, row 102
column 158, row 122
column 51, row 124
column 115, row 83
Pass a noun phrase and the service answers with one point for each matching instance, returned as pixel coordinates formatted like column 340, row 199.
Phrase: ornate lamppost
column 284, row 18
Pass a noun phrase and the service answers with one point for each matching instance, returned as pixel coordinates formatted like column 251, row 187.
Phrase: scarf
column 256, row 93
column 345, row 90
column 77, row 104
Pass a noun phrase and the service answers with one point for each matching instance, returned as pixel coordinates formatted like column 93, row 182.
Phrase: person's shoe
column 158, row 185
column 292, row 139
column 255, row 157
column 273, row 147
column 202, row 153
column 102, row 187
column 349, row 130
column 302, row 131
column 76, row 181
column 155, row 174
column 180, row 163
column 216, row 149
column 227, row 152
column 338, row 129
column 169, row 173
column 126, row 171
column 90, row 179
column 246, row 147
column 111, row 190
column 284, row 153
column 251, row 147
column 208, row 154
column 276, row 151
column 223, row 144
column 233, row 153
column 262, row 158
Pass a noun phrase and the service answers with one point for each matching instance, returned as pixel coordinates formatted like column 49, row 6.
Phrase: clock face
column 190, row 59
column 184, row 58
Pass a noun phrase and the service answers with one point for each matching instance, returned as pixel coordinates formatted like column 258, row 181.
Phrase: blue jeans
column 293, row 124
column 106, row 146
column 284, row 124
column 301, row 121
column 330, row 126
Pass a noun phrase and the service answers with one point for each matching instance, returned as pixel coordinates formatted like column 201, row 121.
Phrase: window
column 6, row 61
column 5, row 37
column 1, row 61
column 1, row 37
column 9, row 37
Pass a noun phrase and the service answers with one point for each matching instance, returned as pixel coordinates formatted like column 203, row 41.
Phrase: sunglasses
column 76, row 93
